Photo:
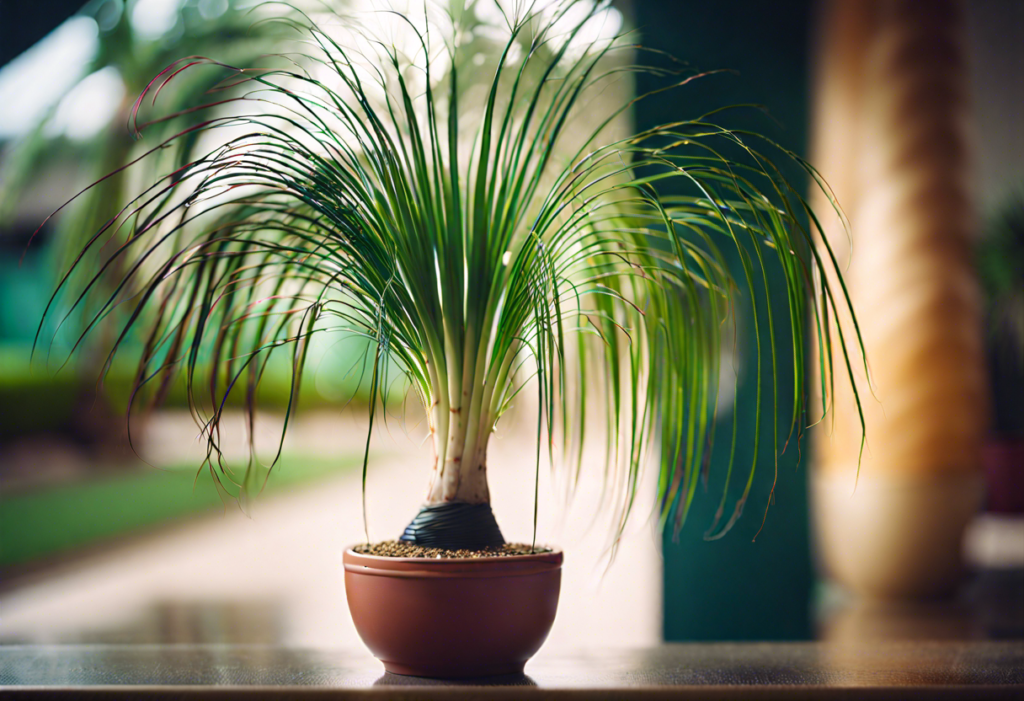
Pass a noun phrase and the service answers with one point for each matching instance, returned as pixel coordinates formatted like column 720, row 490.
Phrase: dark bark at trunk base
column 454, row 526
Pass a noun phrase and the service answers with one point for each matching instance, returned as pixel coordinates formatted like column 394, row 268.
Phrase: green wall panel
column 735, row 588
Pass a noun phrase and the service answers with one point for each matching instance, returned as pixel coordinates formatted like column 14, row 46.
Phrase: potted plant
column 345, row 197
column 1000, row 259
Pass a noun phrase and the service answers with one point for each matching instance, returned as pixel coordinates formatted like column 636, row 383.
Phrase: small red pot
column 453, row 618
column 1004, row 472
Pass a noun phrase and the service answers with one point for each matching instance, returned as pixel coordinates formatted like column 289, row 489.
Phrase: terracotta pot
column 453, row 618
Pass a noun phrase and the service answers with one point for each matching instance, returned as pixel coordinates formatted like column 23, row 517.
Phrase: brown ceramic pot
column 453, row 618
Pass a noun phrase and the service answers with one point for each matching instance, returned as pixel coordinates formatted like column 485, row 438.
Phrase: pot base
column 434, row 673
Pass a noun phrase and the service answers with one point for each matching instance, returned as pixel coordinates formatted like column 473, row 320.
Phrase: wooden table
column 973, row 670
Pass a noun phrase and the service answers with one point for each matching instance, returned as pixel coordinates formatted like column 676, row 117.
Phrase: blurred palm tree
column 131, row 48
column 136, row 41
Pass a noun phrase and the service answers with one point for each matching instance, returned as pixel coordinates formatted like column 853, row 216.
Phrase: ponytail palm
column 346, row 198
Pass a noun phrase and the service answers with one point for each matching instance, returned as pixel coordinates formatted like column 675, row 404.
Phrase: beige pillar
column 892, row 138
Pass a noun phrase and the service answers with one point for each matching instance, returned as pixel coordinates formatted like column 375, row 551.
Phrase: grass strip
column 51, row 521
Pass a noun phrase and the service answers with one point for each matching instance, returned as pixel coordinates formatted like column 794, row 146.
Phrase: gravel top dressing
column 395, row 548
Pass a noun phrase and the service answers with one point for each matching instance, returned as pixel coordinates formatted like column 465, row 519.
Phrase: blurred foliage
column 39, row 401
column 1001, row 270
column 232, row 35
column 224, row 31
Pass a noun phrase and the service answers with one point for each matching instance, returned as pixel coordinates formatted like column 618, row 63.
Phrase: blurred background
column 911, row 111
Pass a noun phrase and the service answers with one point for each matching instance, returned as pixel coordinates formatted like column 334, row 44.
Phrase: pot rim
column 453, row 567
column 551, row 554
